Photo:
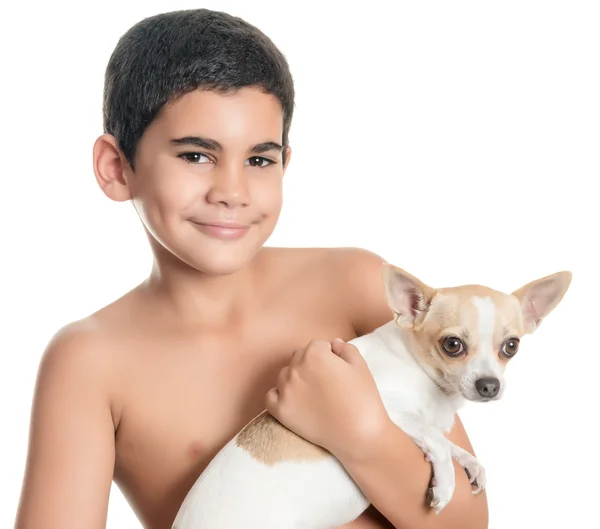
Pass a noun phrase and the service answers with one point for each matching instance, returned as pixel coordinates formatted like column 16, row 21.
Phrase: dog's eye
column 510, row 347
column 453, row 346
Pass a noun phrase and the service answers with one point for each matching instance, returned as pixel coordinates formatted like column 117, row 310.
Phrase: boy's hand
column 328, row 396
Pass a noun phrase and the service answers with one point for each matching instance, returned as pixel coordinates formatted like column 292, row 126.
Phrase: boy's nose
column 488, row 387
column 229, row 189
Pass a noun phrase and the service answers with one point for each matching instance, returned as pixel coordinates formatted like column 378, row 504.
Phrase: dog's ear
column 408, row 297
column 540, row 297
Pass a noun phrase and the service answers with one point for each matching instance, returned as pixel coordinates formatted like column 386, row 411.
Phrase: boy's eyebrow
column 213, row 145
column 267, row 146
column 197, row 141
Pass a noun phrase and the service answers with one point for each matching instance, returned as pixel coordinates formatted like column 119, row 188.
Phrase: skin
column 146, row 390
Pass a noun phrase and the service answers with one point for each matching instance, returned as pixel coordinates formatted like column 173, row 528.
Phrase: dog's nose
column 488, row 387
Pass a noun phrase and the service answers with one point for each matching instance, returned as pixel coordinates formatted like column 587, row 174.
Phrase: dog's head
column 465, row 336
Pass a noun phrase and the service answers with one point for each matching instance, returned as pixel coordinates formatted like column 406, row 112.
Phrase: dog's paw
column 473, row 468
column 476, row 473
column 443, row 481
column 438, row 497
column 437, row 450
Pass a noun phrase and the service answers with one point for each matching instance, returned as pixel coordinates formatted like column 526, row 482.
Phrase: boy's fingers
column 345, row 350
column 283, row 377
column 297, row 355
column 338, row 346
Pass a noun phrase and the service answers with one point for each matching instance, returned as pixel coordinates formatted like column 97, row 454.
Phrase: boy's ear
column 408, row 297
column 109, row 167
column 288, row 155
column 540, row 297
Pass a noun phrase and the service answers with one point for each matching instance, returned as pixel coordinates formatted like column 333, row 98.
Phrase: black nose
column 488, row 387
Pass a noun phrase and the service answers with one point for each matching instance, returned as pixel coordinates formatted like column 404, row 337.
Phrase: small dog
column 443, row 347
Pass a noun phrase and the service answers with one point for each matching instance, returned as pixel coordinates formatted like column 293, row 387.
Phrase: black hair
column 165, row 56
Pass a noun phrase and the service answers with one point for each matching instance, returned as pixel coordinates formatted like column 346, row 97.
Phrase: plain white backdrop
column 459, row 140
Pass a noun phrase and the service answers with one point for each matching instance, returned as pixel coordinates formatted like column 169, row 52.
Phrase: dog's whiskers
column 445, row 386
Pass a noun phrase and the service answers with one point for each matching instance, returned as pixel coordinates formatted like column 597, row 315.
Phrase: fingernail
column 338, row 340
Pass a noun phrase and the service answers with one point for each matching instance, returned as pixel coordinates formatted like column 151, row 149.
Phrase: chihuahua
column 443, row 347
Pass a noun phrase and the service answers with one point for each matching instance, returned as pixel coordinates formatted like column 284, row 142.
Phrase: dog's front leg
column 472, row 466
column 438, row 451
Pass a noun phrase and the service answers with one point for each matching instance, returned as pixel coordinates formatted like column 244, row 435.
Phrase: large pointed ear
column 540, row 297
column 408, row 297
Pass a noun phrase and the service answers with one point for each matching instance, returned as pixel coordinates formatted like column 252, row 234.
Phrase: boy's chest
column 185, row 398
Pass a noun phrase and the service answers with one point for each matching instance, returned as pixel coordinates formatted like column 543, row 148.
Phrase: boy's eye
column 259, row 161
column 194, row 157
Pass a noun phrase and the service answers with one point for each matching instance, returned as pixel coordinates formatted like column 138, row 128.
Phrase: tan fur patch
column 269, row 442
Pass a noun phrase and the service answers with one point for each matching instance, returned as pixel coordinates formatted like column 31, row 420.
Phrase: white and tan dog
column 443, row 348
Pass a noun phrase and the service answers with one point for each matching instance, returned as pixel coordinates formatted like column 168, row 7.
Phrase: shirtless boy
column 145, row 391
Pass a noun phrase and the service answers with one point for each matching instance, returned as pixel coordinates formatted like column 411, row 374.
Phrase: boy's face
column 208, row 177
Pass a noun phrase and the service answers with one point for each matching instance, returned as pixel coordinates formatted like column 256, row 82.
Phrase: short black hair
column 165, row 56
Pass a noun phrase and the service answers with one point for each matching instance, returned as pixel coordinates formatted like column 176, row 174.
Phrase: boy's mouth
column 222, row 230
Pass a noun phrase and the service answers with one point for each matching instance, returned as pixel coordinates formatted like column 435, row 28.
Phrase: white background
column 459, row 140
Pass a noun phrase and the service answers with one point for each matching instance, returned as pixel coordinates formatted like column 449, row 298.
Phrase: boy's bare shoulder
column 325, row 261
column 78, row 343
column 88, row 336
column 86, row 350
column 77, row 351
column 350, row 274
column 356, row 277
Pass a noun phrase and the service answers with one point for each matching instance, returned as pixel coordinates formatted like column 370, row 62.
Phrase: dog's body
column 269, row 478
column 305, row 484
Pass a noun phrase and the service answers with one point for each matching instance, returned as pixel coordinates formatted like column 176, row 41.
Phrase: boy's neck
column 197, row 298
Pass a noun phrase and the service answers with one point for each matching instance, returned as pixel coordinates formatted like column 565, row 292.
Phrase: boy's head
column 171, row 54
column 197, row 110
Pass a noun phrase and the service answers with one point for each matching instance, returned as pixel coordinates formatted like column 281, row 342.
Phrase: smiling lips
column 222, row 229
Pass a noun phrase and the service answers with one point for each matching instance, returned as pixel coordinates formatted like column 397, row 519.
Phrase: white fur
column 237, row 491
column 486, row 312
column 485, row 362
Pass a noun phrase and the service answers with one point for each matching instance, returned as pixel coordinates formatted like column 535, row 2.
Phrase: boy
column 197, row 109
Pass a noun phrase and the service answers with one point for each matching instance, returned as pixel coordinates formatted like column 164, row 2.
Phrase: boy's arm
column 71, row 452
column 383, row 477
column 395, row 477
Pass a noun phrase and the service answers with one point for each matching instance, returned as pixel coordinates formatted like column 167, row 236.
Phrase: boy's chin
column 222, row 267
column 210, row 256
column 223, row 261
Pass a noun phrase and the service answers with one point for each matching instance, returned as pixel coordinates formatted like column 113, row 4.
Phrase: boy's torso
column 180, row 393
